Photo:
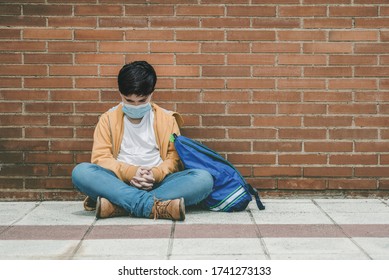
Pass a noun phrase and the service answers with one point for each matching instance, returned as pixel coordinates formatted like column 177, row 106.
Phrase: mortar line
column 78, row 246
column 341, row 229
column 171, row 241
column 259, row 235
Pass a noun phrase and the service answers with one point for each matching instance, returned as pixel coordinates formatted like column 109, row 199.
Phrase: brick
column 10, row 82
column 48, row 83
column 371, row 71
column 225, row 23
column 327, row 96
column 153, row 35
column 169, row 47
column 23, row 145
column 15, row 46
column 327, row 23
column 250, row 59
column 25, row 170
column 327, row 47
column 298, row 159
column 278, row 71
column 98, row 10
column 74, row 95
column 250, row 83
column 104, row 35
column 10, row 9
column 71, row 145
column 149, row 10
column 353, row 60
column 176, row 22
column 96, row 82
column 178, row 71
column 226, row 120
column 10, row 132
column 277, row 171
column 73, row 120
column 372, row 121
column 72, row 47
column 47, row 34
column 130, row 22
column 73, row 70
column 203, row 133
column 301, row 84
column 277, row 121
column 371, row 171
column 251, row 35
column 48, row 107
column 327, row 71
column 371, row 22
column 251, row 11
column 99, row 59
column 375, row 48
column 279, row 146
column 328, row 171
column 301, row 109
column 199, row 10
column 291, row 35
column 225, row 47
column 352, row 84
column 301, row 184
column 205, row 108
column 48, row 58
column 324, row 121
column 356, row 11
column 71, row 22
column 227, row 96
column 154, row 59
column 273, row 2
column 49, row 132
column 23, row 70
column 62, row 170
column 199, row 83
column 353, row 134
column 302, row 11
column 277, row 96
column 229, row 146
column 329, row 2
column 22, row 21
column 364, row 184
column 47, row 10
column 50, row 183
column 226, row 71
column 276, row 23
column 49, row 158
column 122, row 47
column 16, row 120
column 354, row 109
column 201, row 59
column 251, row 108
column 255, row 159
column 354, row 159
column 330, row 146
column 24, row 95
column 8, row 107
column 84, row 133
column 353, row 35
column 251, row 133
column 302, row 133
column 384, row 36
column 276, row 47
column 177, row 96
column 290, row 59
column 371, row 146
column 200, row 35
column 10, row 33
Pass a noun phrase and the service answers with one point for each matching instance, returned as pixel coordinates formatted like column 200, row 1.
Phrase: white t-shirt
column 139, row 146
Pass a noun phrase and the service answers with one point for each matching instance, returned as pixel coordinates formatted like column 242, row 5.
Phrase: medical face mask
column 136, row 112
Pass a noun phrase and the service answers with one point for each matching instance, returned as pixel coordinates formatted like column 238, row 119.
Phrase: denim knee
column 205, row 179
column 80, row 171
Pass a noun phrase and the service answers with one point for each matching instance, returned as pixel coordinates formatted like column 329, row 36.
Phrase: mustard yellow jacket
column 108, row 137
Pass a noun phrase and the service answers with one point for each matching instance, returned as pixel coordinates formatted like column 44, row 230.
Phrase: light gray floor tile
column 123, row 248
column 353, row 205
column 36, row 249
column 377, row 248
column 215, row 248
column 10, row 212
column 58, row 213
column 360, row 218
column 320, row 248
column 218, row 257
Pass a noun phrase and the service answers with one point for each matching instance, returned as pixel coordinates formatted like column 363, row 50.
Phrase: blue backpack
column 230, row 190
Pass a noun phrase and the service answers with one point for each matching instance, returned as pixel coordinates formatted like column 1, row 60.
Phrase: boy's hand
column 143, row 179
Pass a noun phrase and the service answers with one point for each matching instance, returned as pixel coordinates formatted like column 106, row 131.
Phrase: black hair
column 137, row 78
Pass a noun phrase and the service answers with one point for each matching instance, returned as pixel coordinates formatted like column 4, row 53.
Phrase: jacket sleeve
column 171, row 163
column 102, row 151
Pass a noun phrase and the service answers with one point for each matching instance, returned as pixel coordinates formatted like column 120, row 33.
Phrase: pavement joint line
column 78, row 246
column 171, row 241
column 345, row 233
column 37, row 204
column 259, row 234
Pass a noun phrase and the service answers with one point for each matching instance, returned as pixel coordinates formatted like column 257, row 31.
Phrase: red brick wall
column 295, row 93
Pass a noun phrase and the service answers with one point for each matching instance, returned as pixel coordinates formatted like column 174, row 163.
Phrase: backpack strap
column 255, row 193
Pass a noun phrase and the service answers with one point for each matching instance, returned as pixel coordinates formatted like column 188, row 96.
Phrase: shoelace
column 160, row 209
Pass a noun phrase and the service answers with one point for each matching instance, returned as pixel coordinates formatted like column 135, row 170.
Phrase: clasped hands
column 143, row 179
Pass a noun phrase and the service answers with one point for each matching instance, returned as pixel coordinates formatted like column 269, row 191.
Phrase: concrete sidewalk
column 353, row 229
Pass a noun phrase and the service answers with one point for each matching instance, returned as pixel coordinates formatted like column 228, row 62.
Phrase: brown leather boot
column 106, row 209
column 169, row 209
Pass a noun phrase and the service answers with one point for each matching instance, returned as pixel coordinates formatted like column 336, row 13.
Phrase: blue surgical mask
column 136, row 112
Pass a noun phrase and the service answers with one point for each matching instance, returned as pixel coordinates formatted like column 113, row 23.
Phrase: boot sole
column 98, row 207
column 182, row 209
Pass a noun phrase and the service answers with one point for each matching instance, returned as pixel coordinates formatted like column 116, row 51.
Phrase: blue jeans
column 194, row 185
